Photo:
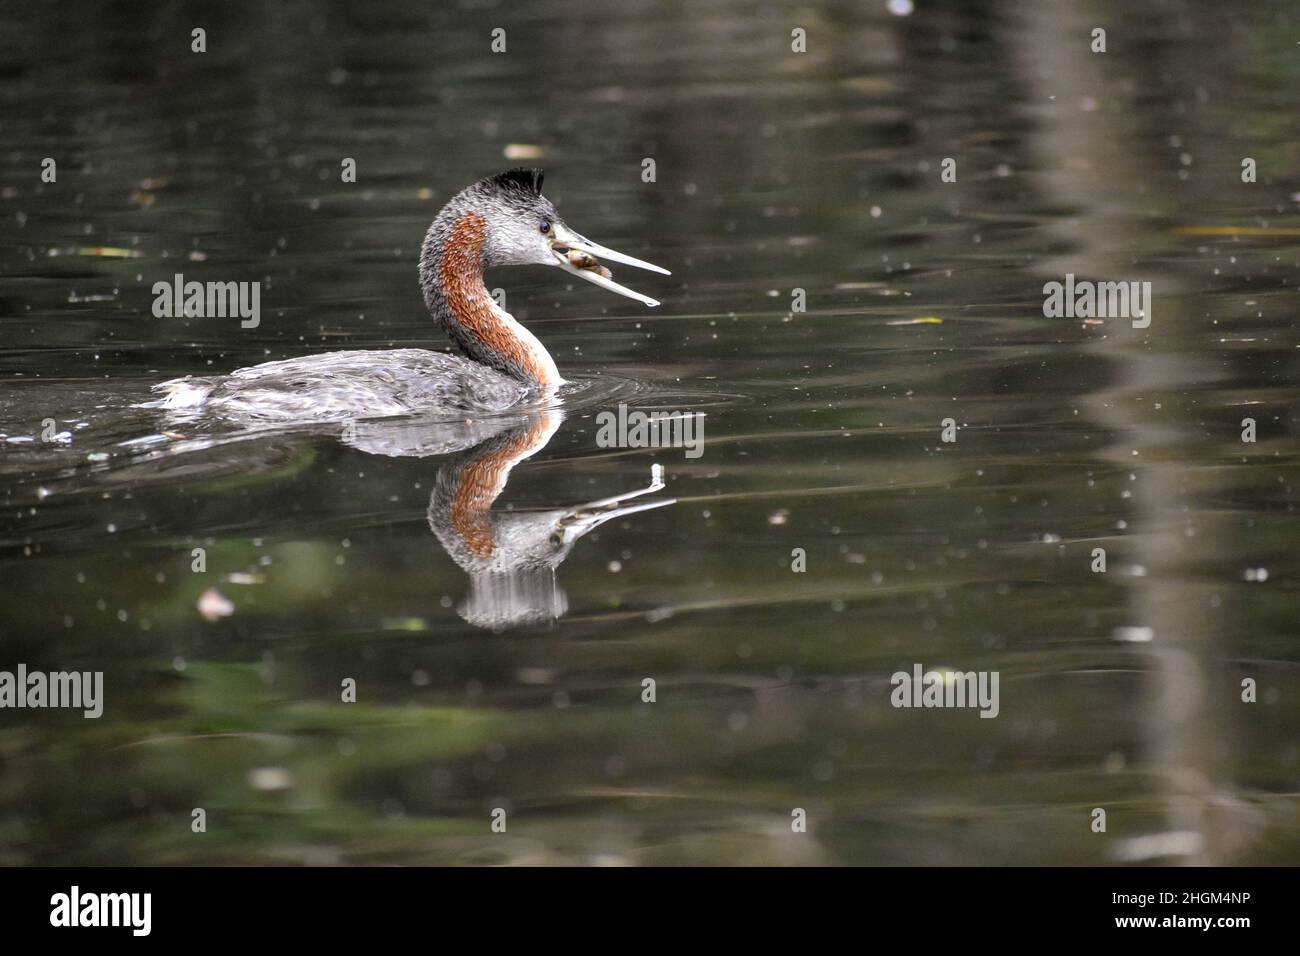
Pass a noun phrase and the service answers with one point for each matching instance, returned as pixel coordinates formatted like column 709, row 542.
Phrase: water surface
column 775, row 172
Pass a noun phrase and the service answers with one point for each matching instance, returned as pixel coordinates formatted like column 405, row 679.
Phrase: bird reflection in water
column 510, row 556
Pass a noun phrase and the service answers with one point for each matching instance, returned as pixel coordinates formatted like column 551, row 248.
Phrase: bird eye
column 546, row 227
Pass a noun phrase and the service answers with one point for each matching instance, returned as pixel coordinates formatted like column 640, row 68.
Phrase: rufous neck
column 451, row 276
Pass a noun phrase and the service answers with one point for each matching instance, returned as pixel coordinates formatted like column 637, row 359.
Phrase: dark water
column 775, row 171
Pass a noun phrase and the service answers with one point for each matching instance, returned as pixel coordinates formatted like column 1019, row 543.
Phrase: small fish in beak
column 581, row 257
column 584, row 260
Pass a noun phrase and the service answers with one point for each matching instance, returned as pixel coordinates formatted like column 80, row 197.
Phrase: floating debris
column 923, row 320
column 1156, row 845
column 1134, row 635
column 213, row 605
column 1234, row 231
column 270, row 778
column 243, row 577
column 404, row 624
column 523, row 151
column 100, row 252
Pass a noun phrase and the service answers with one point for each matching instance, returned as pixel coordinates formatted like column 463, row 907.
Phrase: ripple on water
column 110, row 436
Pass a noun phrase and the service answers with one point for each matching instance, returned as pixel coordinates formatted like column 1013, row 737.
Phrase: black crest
column 521, row 179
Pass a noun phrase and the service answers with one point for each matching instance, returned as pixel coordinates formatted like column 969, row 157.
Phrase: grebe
column 500, row 220
column 511, row 557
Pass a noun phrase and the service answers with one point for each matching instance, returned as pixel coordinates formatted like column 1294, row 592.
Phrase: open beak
column 580, row 256
column 595, row 513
